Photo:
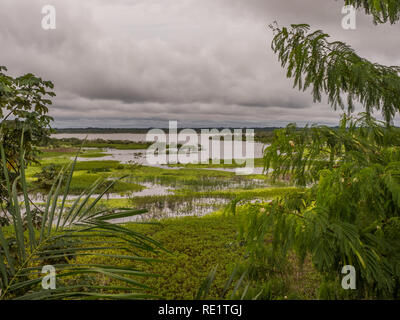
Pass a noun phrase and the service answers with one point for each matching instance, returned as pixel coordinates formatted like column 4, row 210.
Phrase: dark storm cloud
column 133, row 62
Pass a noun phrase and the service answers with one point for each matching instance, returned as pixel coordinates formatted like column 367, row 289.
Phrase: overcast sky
column 139, row 63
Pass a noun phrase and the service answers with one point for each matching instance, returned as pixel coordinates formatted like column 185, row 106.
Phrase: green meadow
column 192, row 218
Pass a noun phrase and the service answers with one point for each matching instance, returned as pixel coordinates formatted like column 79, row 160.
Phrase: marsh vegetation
column 115, row 227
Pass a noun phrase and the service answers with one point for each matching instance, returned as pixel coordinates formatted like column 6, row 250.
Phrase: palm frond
column 65, row 236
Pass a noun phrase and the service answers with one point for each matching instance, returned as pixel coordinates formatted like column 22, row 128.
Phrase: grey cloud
column 194, row 60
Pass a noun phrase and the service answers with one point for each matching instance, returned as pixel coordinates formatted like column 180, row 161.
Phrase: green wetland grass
column 99, row 144
column 191, row 190
column 258, row 162
column 198, row 244
column 182, row 220
column 179, row 178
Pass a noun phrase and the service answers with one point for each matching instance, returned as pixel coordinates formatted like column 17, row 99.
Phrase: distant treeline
column 264, row 135
column 100, row 130
column 144, row 130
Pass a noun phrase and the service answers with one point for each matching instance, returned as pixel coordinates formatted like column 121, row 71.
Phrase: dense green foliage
column 85, row 174
column 290, row 247
column 61, row 237
column 23, row 114
column 198, row 244
column 349, row 214
column 57, row 234
column 23, row 109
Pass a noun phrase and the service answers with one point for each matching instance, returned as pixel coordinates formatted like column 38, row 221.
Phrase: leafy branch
column 334, row 69
column 81, row 231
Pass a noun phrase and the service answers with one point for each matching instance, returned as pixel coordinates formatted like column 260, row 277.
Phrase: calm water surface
column 198, row 207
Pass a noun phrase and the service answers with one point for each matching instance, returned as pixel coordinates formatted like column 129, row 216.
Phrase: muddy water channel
column 164, row 197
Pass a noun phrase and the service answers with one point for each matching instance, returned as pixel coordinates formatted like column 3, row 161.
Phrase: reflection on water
column 161, row 209
column 150, row 190
column 159, row 205
column 157, row 187
column 125, row 156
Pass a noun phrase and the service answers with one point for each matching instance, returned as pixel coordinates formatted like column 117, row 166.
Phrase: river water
column 198, row 207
